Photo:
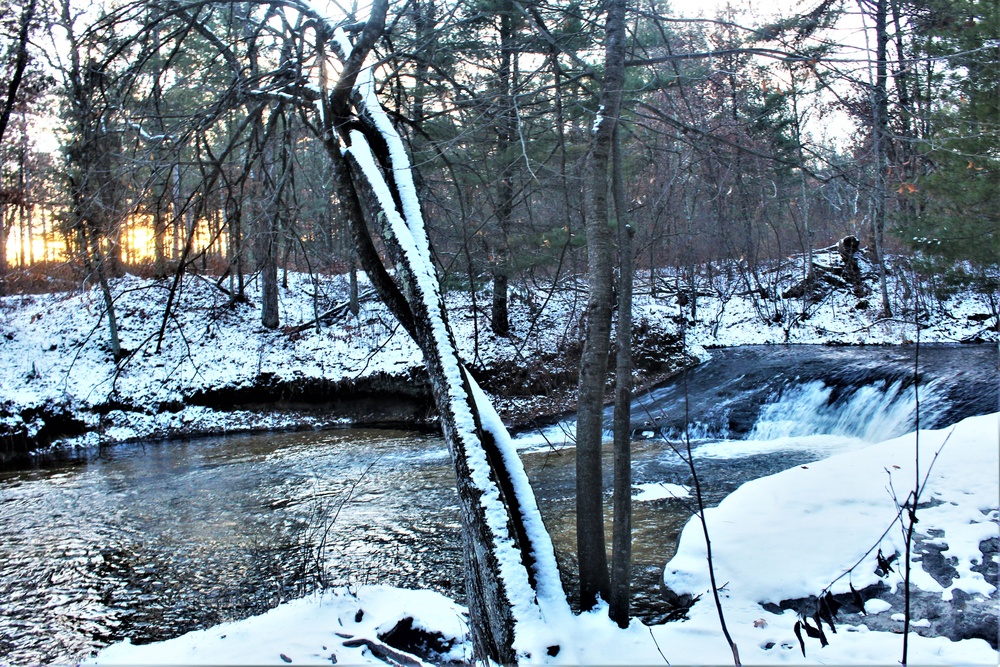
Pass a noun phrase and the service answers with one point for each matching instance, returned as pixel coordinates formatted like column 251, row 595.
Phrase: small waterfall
column 871, row 412
column 696, row 431
column 772, row 393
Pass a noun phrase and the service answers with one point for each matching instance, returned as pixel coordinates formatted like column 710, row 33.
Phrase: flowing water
column 152, row 541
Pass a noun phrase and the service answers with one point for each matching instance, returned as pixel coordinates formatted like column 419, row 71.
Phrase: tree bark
column 621, row 538
column 591, row 548
column 4, row 229
column 274, row 170
column 353, row 285
column 499, row 318
column 267, row 257
column 95, row 262
column 159, row 214
column 880, row 139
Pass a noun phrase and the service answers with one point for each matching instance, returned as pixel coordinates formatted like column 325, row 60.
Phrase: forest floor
column 210, row 367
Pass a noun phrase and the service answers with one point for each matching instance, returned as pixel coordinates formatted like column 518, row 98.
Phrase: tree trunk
column 4, row 229
column 45, row 229
column 591, row 547
column 177, row 206
column 159, row 236
column 880, row 139
column 266, row 248
column 234, row 246
column 27, row 196
column 424, row 23
column 621, row 539
column 267, row 257
column 22, row 209
column 159, row 214
column 499, row 318
column 95, row 260
column 512, row 579
column 115, row 265
column 355, row 303
column 499, row 315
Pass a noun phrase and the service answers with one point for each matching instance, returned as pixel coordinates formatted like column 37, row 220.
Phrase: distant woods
column 183, row 146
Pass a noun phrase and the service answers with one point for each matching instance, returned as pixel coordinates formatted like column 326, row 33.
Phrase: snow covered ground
column 54, row 358
column 791, row 535
column 794, row 534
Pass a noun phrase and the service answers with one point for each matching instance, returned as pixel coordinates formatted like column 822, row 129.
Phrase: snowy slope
column 54, row 354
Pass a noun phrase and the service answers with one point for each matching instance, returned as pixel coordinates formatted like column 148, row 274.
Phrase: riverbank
column 211, row 368
column 219, row 371
column 790, row 536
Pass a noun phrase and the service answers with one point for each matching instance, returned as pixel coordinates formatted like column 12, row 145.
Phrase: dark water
column 149, row 542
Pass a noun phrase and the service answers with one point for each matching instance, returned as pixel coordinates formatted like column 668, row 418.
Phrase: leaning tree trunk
column 511, row 575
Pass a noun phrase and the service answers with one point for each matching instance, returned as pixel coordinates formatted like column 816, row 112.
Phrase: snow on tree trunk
column 513, row 583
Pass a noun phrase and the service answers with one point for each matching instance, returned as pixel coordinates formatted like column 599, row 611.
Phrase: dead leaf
column 858, row 601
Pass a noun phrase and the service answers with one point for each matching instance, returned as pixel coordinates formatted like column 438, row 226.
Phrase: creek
column 150, row 541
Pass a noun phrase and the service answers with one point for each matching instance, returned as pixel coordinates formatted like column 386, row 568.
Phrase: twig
column 372, row 354
column 701, row 514
column 657, row 645
column 350, row 492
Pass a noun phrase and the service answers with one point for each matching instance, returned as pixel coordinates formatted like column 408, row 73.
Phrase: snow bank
column 53, row 350
column 727, row 316
column 53, row 353
column 825, row 516
column 311, row 631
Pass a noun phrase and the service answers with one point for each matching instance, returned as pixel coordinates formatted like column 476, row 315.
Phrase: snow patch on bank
column 309, row 631
column 53, row 350
column 659, row 491
column 724, row 316
column 812, row 508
